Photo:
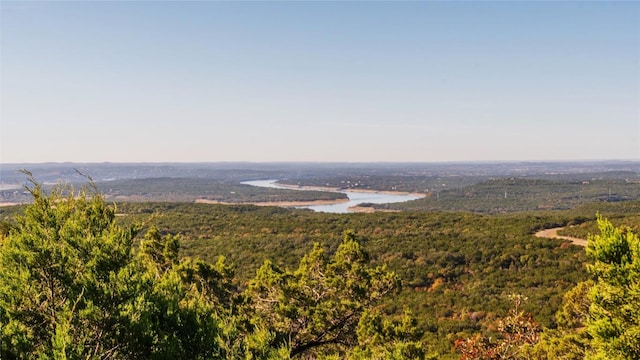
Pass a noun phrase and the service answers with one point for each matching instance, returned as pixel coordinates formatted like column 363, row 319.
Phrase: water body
column 355, row 198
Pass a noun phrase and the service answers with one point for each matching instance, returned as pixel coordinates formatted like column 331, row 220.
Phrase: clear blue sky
column 319, row 81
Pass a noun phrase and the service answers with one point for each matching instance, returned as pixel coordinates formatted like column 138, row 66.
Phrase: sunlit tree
column 64, row 273
column 72, row 286
column 614, row 314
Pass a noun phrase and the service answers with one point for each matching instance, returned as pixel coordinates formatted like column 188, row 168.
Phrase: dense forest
column 523, row 194
column 451, row 177
column 83, row 278
column 180, row 189
column 192, row 189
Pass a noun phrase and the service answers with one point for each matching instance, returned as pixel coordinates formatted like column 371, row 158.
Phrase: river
column 355, row 198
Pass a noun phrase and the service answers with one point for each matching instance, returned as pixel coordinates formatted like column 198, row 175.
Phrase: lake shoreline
column 356, row 197
column 276, row 203
column 334, row 189
column 4, row 204
column 367, row 210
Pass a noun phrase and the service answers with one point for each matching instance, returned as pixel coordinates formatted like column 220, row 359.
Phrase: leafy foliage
column 63, row 267
column 614, row 320
column 600, row 318
column 73, row 285
column 456, row 268
column 320, row 303
column 515, row 332
column 571, row 340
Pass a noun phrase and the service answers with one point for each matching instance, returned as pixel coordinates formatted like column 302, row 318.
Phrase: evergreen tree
column 319, row 305
column 65, row 273
column 614, row 314
column 72, row 286
column 600, row 318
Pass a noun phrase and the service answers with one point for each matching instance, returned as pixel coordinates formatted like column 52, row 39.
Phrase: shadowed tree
column 320, row 304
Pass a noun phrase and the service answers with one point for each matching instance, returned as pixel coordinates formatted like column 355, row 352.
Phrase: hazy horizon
column 444, row 162
column 336, row 82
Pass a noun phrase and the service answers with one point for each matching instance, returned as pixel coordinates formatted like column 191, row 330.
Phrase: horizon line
column 322, row 162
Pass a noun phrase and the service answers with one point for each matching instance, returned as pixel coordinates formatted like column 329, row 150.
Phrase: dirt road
column 553, row 234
